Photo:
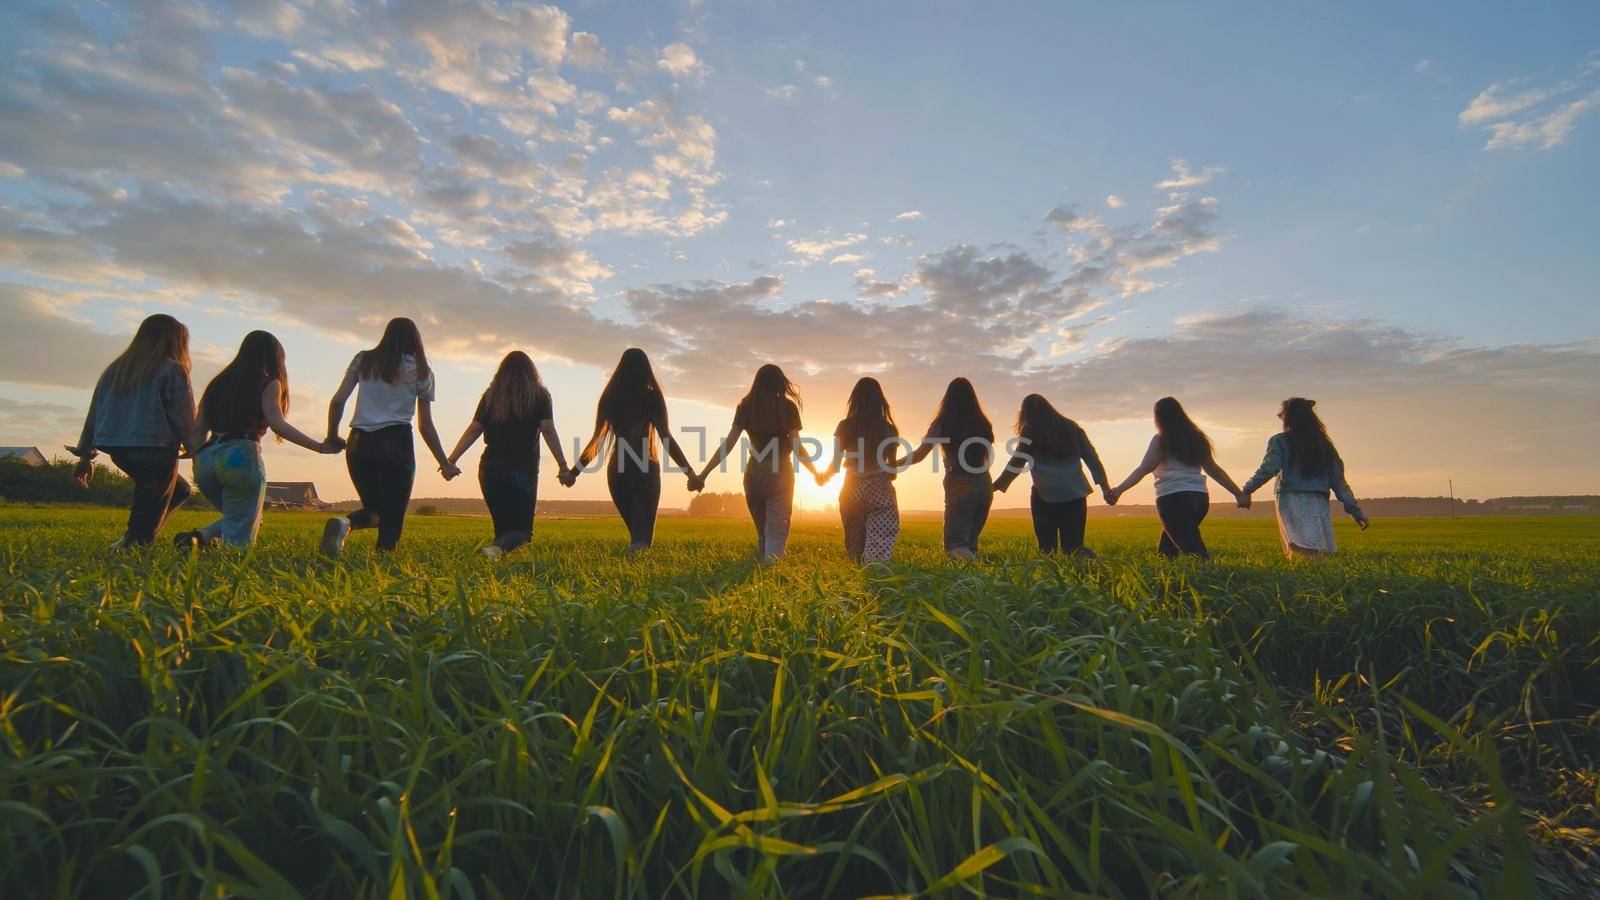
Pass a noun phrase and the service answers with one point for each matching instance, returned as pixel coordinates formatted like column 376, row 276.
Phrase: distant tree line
column 52, row 483
column 708, row 504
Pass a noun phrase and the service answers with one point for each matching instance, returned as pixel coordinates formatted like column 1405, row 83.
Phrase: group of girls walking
column 143, row 415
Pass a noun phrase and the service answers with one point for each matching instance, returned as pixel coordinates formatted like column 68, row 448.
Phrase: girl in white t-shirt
column 392, row 382
column 1180, row 456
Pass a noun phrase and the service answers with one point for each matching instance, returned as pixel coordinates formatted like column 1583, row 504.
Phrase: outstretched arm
column 674, row 452
column 336, row 405
column 799, row 450
column 1091, row 458
column 1341, row 489
column 1216, row 471
column 553, row 442
column 1019, row 462
column 1152, row 458
column 1271, row 464
column 833, row 463
column 430, row 437
column 723, row 449
column 469, row 437
column 275, row 421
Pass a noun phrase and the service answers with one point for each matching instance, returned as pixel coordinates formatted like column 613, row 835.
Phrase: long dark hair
column 1181, row 438
column 516, row 390
column 960, row 419
column 763, row 406
column 160, row 339
column 1047, row 431
column 400, row 339
column 632, row 404
column 232, row 401
column 868, row 419
column 1310, row 448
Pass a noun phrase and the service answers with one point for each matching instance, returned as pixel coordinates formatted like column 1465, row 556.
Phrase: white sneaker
column 493, row 551
column 333, row 535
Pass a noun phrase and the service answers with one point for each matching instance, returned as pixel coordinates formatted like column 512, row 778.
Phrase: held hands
column 83, row 472
column 1112, row 495
column 331, row 445
column 823, row 476
column 696, row 483
column 1242, row 499
column 449, row 469
column 568, row 477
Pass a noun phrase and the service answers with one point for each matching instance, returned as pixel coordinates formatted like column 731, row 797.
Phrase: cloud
column 909, row 215
column 815, row 248
column 1115, row 202
column 849, row 258
column 679, row 60
column 782, row 92
column 1423, row 65
column 824, row 82
column 41, row 345
column 1524, row 113
column 561, row 263
column 585, row 51
column 1182, row 178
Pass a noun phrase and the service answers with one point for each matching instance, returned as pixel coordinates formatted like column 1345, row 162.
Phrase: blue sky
column 1387, row 207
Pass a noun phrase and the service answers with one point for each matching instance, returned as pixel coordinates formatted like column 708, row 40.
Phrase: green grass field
column 1415, row 717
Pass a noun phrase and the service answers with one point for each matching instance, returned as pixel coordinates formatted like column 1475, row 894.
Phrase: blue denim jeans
column 233, row 478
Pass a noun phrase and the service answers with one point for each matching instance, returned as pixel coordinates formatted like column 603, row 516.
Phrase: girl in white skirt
column 1307, row 467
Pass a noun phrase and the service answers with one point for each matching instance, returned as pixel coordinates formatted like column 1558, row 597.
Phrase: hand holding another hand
column 822, row 477
column 449, row 470
column 1111, row 495
column 1242, row 499
column 696, row 483
column 83, row 472
column 568, row 477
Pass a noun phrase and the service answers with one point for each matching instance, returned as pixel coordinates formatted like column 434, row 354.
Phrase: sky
column 1389, row 208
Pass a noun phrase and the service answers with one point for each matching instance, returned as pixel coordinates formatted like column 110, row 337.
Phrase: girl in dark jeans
column 511, row 416
column 967, row 437
column 770, row 414
column 394, row 383
column 1180, row 456
column 632, row 416
column 1057, row 449
column 142, row 413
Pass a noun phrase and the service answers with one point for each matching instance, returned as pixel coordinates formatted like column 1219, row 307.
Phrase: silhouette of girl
column 1180, row 456
column 1056, row 449
column 966, row 438
column 246, row 399
column 631, row 416
column 511, row 415
column 1308, row 467
column 392, row 382
column 142, row 413
column 865, row 443
column 770, row 415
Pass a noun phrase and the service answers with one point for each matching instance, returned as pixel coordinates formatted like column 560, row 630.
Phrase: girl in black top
column 512, row 414
column 632, row 416
column 247, row 398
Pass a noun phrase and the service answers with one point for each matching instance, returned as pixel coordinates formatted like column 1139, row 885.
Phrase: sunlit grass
column 1415, row 717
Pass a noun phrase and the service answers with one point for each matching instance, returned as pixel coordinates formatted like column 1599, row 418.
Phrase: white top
column 380, row 404
column 1173, row 476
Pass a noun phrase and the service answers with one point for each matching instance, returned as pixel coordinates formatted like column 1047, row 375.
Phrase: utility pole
column 1452, row 483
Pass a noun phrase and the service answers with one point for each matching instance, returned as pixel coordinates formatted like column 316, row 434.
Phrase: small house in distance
column 293, row 495
column 29, row 455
